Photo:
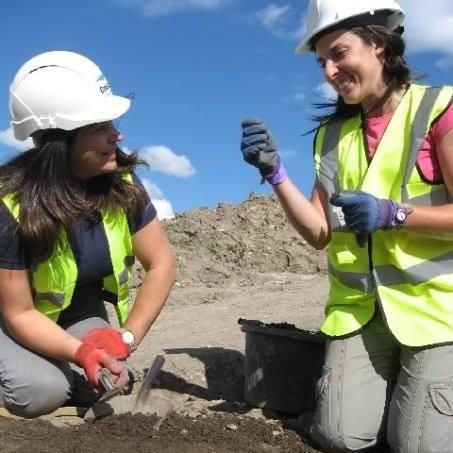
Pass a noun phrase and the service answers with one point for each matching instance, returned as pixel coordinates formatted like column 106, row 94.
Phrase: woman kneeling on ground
column 382, row 204
column 73, row 217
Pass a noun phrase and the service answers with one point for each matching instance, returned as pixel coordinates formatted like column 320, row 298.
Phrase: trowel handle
column 107, row 384
column 106, row 379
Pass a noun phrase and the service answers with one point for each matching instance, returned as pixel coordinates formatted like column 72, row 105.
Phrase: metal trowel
column 110, row 391
column 108, row 405
column 145, row 389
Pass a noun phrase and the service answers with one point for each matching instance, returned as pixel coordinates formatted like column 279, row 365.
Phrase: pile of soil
column 237, row 242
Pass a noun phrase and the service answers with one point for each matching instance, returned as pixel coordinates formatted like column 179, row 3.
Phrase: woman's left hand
column 363, row 212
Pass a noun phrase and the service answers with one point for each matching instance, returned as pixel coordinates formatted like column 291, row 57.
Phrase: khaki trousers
column 33, row 385
column 373, row 389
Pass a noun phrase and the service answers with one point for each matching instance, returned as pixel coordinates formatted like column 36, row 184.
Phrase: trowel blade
column 143, row 393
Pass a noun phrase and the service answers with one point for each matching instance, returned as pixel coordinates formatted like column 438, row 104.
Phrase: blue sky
column 197, row 68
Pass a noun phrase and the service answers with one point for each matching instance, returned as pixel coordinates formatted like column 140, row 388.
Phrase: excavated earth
column 235, row 261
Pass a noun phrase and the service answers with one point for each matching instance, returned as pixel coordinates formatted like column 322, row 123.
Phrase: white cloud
column 162, row 158
column 153, row 189
column 445, row 63
column 429, row 25
column 164, row 209
column 299, row 96
column 165, row 7
column 326, row 91
column 275, row 18
column 272, row 14
column 7, row 138
column 287, row 153
column 163, row 206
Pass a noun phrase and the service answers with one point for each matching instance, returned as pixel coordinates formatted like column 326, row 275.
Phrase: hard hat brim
column 106, row 109
column 398, row 17
column 111, row 108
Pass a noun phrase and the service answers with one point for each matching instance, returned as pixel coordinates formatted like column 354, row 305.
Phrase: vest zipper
column 370, row 238
column 367, row 155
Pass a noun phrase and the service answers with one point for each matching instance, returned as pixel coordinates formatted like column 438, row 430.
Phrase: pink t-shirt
column 427, row 158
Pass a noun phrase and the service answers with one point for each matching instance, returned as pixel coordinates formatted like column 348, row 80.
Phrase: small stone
column 276, row 433
column 232, row 427
column 184, row 432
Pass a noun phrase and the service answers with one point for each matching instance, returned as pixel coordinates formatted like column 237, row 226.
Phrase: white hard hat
column 324, row 14
column 63, row 90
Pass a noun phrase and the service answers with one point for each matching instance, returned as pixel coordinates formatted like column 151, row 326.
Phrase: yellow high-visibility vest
column 53, row 281
column 408, row 273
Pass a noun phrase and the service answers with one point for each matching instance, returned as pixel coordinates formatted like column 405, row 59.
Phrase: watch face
column 128, row 337
column 401, row 216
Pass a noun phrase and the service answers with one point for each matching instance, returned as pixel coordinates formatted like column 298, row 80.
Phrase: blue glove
column 260, row 150
column 363, row 212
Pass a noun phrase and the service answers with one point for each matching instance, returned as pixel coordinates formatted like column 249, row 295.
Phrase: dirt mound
column 237, row 242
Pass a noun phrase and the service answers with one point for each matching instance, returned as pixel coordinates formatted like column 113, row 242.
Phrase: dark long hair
column 396, row 71
column 51, row 197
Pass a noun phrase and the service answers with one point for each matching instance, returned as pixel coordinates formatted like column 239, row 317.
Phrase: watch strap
column 402, row 211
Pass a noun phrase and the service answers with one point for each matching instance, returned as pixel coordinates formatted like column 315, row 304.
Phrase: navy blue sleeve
column 12, row 252
column 142, row 219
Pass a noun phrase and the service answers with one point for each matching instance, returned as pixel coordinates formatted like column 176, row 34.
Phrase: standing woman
column 382, row 204
column 72, row 219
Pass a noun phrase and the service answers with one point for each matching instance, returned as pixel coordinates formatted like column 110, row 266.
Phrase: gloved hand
column 363, row 212
column 92, row 360
column 109, row 340
column 259, row 149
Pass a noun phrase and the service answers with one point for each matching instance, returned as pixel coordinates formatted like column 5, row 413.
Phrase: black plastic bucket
column 282, row 366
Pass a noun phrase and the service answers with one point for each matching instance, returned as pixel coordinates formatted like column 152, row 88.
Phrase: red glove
column 92, row 360
column 109, row 340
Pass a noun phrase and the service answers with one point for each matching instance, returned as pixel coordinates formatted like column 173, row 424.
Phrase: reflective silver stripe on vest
column 356, row 280
column 328, row 176
column 419, row 130
column 328, row 173
column 437, row 197
column 124, row 276
column 390, row 275
column 54, row 298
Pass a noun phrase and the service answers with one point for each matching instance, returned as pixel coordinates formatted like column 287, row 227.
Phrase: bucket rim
column 249, row 326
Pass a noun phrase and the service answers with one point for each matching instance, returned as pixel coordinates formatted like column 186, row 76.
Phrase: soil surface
column 235, row 261
column 219, row 433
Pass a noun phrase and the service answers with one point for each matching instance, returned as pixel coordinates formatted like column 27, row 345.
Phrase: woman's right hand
column 92, row 360
column 258, row 146
column 108, row 339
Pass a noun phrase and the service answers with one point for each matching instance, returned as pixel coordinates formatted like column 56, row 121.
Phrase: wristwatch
column 129, row 338
column 402, row 212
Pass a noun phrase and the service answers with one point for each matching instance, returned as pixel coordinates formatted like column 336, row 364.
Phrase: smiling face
column 94, row 150
column 353, row 67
